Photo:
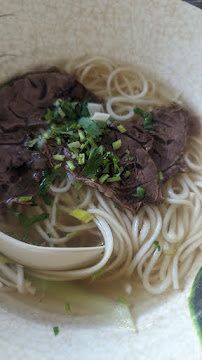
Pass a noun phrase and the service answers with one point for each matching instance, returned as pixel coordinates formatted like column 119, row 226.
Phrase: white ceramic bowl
column 164, row 38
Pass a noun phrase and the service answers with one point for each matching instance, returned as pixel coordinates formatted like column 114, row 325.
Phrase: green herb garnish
column 147, row 116
column 140, row 193
column 116, row 144
column 27, row 222
column 161, row 176
column 93, row 163
column 157, row 245
column 56, row 330
column 123, row 300
column 97, row 274
column 121, row 128
column 67, row 307
column 90, row 127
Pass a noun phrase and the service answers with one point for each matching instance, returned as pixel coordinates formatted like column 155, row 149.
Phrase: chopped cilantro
column 49, row 235
column 157, row 245
column 115, row 205
column 147, row 116
column 140, row 193
column 56, row 330
column 93, row 163
column 90, row 127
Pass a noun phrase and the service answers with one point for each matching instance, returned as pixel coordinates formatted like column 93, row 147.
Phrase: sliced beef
column 22, row 107
column 143, row 171
column 170, row 137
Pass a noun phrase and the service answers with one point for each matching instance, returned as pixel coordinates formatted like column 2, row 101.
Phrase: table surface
column 197, row 3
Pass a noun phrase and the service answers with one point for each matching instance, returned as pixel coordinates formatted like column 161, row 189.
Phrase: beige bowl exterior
column 164, row 39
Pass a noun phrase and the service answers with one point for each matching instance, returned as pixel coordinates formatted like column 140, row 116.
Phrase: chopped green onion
column 126, row 174
column 61, row 113
column 127, row 151
column 56, row 330
column 58, row 139
column 131, row 158
column 161, row 177
column 78, row 185
column 81, row 159
column 24, row 198
column 121, row 128
column 140, row 193
column 97, row 274
column 57, row 166
column 33, row 142
column 157, row 245
column 58, row 157
column 74, row 144
column 82, row 215
column 46, row 136
column 103, row 178
column 67, row 307
column 147, row 116
column 81, row 135
column 116, row 144
column 71, row 165
column 114, row 179
column 123, row 300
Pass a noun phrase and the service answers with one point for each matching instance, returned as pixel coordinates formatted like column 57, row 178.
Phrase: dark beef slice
column 27, row 99
column 22, row 105
column 170, row 136
column 142, row 168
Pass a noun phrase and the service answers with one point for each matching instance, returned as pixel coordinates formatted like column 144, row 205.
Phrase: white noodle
column 128, row 238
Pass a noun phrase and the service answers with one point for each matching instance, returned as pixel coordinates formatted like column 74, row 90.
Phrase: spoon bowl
column 49, row 258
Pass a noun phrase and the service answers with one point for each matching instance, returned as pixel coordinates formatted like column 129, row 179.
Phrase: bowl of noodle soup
column 125, row 67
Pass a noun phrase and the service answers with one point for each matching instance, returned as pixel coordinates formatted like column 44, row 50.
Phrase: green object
column 74, row 145
column 57, row 166
column 123, row 300
column 157, row 245
column 114, row 179
column 82, row 215
column 97, row 274
column 121, row 128
column 24, row 198
column 140, row 193
column 56, row 330
column 58, row 157
column 67, row 307
column 93, row 163
column 103, row 178
column 71, row 165
column 116, row 144
column 195, row 303
column 147, row 116
column 161, row 177
column 28, row 222
column 90, row 127
column 126, row 174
